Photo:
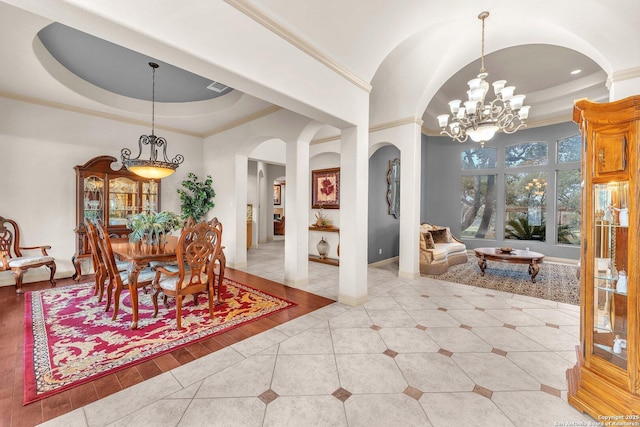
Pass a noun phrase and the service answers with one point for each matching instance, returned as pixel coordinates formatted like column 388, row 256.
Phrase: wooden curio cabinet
column 606, row 380
column 110, row 196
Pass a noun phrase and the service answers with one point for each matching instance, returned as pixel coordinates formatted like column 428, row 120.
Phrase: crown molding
column 617, row 76
column 261, row 18
column 57, row 105
column 396, row 123
column 376, row 128
column 323, row 140
column 246, row 119
column 94, row 113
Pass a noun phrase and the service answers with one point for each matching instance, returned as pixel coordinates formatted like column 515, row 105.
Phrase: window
column 525, row 205
column 527, row 154
column 568, row 195
column 504, row 192
column 479, row 158
column 479, row 206
column 570, row 149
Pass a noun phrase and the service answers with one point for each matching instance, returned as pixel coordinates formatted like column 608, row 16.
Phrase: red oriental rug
column 70, row 340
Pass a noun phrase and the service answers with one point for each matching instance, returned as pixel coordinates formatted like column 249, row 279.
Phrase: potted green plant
column 152, row 225
column 196, row 197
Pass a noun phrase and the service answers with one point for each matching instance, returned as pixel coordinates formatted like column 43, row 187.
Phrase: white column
column 297, row 202
column 238, row 247
column 410, row 178
column 354, row 190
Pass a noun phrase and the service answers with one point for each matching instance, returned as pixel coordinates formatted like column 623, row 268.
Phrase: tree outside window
column 525, row 206
column 478, row 206
column 478, row 194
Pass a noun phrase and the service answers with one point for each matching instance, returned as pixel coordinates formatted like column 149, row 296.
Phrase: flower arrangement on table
column 152, row 226
column 322, row 220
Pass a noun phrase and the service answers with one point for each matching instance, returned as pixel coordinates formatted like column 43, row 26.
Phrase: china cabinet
column 110, row 196
column 606, row 379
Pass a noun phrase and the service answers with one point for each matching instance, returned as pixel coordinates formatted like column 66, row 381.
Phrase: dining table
column 139, row 255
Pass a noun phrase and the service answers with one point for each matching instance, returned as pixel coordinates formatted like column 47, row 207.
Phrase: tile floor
column 418, row 353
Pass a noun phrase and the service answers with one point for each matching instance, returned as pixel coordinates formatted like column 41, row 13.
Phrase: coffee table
column 516, row 256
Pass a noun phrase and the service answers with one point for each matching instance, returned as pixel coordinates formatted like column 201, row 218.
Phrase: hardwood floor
column 13, row 413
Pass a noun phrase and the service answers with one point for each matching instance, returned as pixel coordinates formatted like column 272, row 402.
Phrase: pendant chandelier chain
column 153, row 65
column 483, row 17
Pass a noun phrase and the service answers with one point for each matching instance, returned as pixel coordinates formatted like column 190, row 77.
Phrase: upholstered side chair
column 99, row 267
column 117, row 279
column 197, row 251
column 11, row 257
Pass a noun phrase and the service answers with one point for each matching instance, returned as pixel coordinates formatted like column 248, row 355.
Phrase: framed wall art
column 277, row 195
column 325, row 188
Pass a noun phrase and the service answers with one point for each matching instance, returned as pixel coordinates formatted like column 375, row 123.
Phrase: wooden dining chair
column 118, row 280
column 221, row 260
column 197, row 251
column 11, row 257
column 99, row 266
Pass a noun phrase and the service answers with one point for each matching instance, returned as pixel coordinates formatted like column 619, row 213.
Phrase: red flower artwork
column 327, row 187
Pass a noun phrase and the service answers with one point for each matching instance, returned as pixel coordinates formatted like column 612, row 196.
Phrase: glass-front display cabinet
column 110, row 196
column 605, row 381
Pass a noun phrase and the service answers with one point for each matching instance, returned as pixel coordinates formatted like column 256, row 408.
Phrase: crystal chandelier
column 479, row 121
column 152, row 168
column 537, row 186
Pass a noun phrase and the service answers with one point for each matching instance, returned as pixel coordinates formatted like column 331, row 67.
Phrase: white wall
column 39, row 146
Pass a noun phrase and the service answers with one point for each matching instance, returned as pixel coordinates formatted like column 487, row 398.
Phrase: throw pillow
column 440, row 236
column 428, row 240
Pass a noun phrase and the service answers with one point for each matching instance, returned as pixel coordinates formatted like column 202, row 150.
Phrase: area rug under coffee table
column 555, row 282
column 70, row 340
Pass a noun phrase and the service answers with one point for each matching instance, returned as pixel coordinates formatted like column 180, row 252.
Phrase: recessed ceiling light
column 576, row 71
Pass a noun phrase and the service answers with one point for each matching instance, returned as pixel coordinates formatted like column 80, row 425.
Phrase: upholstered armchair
column 11, row 257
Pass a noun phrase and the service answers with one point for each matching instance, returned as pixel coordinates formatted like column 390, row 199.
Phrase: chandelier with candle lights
column 478, row 119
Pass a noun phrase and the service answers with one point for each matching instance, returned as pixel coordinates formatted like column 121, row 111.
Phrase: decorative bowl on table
column 505, row 250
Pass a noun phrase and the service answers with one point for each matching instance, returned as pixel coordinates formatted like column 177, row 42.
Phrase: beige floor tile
column 237, row 412
column 357, row 340
column 250, row 377
column 383, row 410
column 458, row 340
column 463, row 409
column 536, row 408
column 507, row 339
column 313, row 341
column 305, row 375
column 546, row 367
column 495, row 372
column 408, row 340
column 433, row 372
column 296, row 411
column 551, row 338
column 369, row 373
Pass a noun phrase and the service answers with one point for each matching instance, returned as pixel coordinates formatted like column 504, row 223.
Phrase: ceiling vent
column 217, row 87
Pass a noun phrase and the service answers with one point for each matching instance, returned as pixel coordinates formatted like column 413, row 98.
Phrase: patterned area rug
column 555, row 282
column 70, row 340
